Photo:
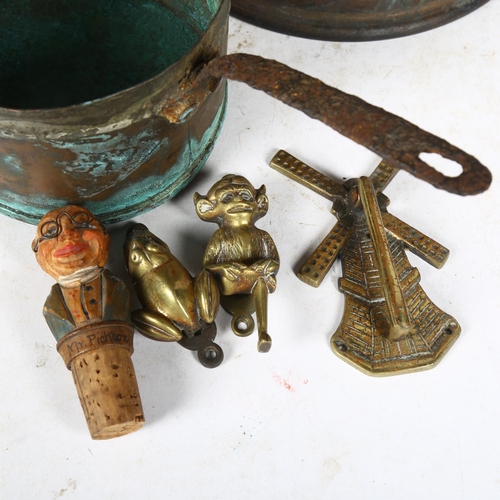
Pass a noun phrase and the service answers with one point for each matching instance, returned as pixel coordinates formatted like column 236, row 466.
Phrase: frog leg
column 207, row 296
column 155, row 326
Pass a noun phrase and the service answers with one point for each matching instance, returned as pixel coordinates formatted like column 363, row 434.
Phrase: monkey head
column 232, row 201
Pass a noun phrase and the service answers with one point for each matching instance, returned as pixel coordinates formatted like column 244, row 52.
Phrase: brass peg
column 397, row 309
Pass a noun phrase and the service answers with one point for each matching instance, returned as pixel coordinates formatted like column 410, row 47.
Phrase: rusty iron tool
column 393, row 138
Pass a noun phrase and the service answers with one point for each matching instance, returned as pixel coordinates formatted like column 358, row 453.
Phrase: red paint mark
column 283, row 382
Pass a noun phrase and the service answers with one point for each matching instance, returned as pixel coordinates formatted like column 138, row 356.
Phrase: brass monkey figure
column 242, row 258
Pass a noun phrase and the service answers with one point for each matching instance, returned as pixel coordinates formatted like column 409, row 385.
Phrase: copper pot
column 81, row 97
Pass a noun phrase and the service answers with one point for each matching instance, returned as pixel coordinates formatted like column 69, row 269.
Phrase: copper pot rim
column 139, row 101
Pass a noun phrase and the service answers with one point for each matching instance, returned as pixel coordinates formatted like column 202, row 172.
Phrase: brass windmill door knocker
column 389, row 325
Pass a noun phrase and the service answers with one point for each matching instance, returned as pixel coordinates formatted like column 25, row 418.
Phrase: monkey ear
column 203, row 206
column 262, row 202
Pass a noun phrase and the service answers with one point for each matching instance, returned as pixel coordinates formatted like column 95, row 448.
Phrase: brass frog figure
column 176, row 306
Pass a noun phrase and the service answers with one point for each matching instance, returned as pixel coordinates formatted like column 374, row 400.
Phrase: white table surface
column 298, row 422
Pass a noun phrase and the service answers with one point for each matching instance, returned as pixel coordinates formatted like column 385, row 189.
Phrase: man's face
column 69, row 239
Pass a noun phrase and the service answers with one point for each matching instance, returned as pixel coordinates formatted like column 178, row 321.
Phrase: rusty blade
column 396, row 140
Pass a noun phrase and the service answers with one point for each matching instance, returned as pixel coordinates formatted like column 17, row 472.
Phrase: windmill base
column 362, row 341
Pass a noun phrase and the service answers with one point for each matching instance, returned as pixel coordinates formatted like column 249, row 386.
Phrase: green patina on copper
column 81, row 96
column 61, row 52
column 131, row 199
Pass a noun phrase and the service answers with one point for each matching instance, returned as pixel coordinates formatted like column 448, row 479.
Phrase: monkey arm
column 232, row 277
column 235, row 277
column 271, row 252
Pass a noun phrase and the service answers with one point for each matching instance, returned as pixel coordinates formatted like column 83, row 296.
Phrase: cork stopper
column 99, row 357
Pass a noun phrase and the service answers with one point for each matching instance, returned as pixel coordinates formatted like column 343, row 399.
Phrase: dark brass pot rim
column 351, row 20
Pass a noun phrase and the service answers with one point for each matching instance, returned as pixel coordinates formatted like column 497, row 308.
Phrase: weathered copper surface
column 389, row 326
column 396, row 140
column 125, row 153
column 116, row 155
column 352, row 20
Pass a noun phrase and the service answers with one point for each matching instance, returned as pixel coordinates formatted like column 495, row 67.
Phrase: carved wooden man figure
column 242, row 257
column 87, row 311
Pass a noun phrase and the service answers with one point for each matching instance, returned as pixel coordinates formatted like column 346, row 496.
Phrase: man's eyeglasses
column 52, row 228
